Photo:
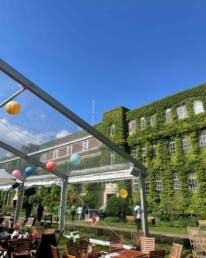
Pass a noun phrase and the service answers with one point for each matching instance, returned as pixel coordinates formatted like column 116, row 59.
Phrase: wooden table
column 125, row 253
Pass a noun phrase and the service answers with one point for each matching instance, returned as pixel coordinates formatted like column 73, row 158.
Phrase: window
column 142, row 123
column 112, row 130
column 133, row 152
column 69, row 149
column 153, row 120
column 186, row 145
column 85, row 145
column 135, row 185
column 202, row 139
column 154, row 150
column 55, row 154
column 198, row 107
column 182, row 112
column 132, row 127
column 193, row 182
column 168, row 114
column 144, row 154
column 176, row 182
column 158, row 183
column 172, row 147
column 147, row 186
column 43, row 157
column 112, row 158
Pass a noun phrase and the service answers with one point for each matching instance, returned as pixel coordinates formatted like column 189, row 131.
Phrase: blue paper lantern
column 75, row 159
column 29, row 170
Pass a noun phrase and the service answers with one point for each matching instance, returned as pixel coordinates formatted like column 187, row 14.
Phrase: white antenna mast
column 93, row 112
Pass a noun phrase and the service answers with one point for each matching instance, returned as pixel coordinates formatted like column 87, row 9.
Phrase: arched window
column 198, row 107
column 202, row 139
column 132, row 127
column 158, row 183
column 182, row 112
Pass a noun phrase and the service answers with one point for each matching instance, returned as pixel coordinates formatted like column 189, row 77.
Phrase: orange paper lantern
column 13, row 108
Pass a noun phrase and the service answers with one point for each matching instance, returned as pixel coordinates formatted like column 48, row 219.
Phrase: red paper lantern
column 51, row 165
column 73, row 198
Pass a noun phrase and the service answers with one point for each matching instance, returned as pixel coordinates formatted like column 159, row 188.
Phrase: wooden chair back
column 116, row 243
column 197, row 241
column 54, row 252
column 23, row 247
column 156, row 254
column 176, row 251
column 147, row 244
column 82, row 244
column 72, row 250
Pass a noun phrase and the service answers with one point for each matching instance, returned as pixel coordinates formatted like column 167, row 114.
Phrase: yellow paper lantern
column 123, row 193
column 13, row 108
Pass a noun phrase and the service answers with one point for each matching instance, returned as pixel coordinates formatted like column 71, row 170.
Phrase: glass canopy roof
column 41, row 134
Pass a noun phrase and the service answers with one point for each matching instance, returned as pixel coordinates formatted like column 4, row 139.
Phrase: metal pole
column 19, row 203
column 143, row 205
column 62, row 214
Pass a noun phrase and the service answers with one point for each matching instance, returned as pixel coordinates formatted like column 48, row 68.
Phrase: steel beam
column 36, row 90
column 20, row 193
column 62, row 213
column 30, row 159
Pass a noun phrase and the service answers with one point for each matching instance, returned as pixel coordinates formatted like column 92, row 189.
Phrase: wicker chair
column 72, row 250
column 147, row 244
column 176, row 251
column 82, row 244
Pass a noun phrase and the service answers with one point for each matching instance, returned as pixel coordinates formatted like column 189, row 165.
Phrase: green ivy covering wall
column 169, row 201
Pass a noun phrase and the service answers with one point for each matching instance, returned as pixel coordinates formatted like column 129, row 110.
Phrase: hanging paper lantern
column 75, row 159
column 123, row 193
column 51, row 165
column 16, row 173
column 29, row 170
column 73, row 198
column 13, row 108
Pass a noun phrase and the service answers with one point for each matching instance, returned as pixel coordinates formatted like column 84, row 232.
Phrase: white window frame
column 172, row 147
column 186, row 144
column 202, row 138
column 176, row 181
column 193, row 185
column 182, row 112
column 168, row 114
column 142, row 123
column 158, row 183
column 112, row 130
column 133, row 152
column 153, row 120
column 198, row 107
column 135, row 185
column 132, row 126
column 85, row 145
column 69, row 149
column 147, row 186
column 55, row 154
column 43, row 157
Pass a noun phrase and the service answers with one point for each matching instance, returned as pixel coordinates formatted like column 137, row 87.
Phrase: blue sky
column 120, row 52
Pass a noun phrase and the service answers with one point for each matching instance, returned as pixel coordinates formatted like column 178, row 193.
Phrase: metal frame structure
column 138, row 168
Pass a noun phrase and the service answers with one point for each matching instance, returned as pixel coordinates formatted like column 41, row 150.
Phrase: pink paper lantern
column 16, row 173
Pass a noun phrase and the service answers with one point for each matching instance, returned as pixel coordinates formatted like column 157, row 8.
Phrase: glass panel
column 46, row 135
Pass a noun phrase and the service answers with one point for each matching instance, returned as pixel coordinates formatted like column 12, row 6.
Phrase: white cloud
column 18, row 136
column 62, row 134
